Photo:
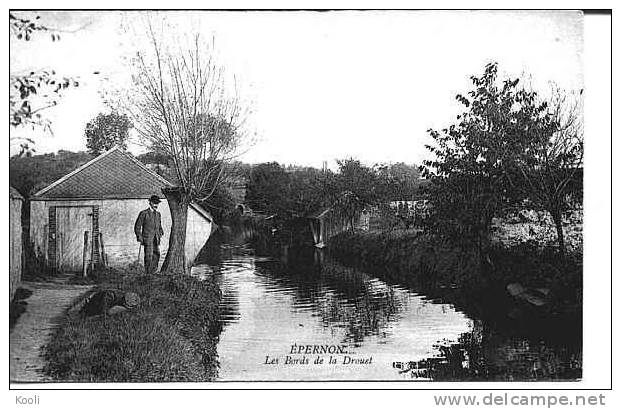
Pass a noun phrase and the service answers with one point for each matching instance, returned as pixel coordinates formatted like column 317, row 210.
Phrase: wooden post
column 84, row 254
column 93, row 250
column 102, row 253
column 45, row 244
column 314, row 231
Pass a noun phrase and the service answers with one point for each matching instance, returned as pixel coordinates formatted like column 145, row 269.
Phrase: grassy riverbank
column 414, row 258
column 171, row 336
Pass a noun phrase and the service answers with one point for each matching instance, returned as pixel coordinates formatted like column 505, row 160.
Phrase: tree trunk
column 178, row 202
column 558, row 222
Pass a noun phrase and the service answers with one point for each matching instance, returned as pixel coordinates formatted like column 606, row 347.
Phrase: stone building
column 103, row 198
column 16, row 202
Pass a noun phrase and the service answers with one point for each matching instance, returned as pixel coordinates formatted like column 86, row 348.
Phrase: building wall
column 538, row 226
column 38, row 227
column 15, row 238
column 330, row 225
column 197, row 233
column 116, row 224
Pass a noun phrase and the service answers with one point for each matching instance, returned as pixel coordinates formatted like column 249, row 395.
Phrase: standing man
column 148, row 229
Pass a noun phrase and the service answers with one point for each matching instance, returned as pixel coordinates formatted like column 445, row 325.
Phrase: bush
column 407, row 256
column 420, row 259
column 171, row 336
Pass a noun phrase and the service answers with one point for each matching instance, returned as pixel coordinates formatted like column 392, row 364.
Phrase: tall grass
column 170, row 337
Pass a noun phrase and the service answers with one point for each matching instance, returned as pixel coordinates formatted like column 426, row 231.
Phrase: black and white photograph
column 255, row 196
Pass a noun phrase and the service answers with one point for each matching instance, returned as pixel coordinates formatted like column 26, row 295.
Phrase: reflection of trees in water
column 229, row 300
column 241, row 232
column 481, row 354
column 225, row 252
column 343, row 297
column 348, row 300
column 370, row 314
column 229, row 307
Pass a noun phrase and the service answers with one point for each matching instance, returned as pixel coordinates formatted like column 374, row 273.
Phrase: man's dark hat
column 154, row 199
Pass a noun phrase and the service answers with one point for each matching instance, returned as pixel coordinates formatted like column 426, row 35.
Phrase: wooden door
column 71, row 223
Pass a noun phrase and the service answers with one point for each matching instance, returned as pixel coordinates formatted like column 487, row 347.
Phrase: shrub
column 421, row 259
column 171, row 336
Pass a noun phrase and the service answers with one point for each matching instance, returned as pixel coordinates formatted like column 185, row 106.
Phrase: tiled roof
column 114, row 174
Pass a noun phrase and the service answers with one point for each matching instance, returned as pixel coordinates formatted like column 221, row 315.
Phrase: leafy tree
column 106, row 131
column 30, row 173
column 308, row 190
column 220, row 204
column 357, row 186
column 294, row 192
column 475, row 172
column 400, row 181
column 269, row 189
column 154, row 158
column 358, row 178
column 32, row 92
column 23, row 28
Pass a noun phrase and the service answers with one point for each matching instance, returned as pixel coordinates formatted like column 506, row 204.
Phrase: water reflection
column 481, row 354
column 340, row 296
column 269, row 304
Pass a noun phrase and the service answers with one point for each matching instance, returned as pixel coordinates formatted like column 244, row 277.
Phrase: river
column 293, row 318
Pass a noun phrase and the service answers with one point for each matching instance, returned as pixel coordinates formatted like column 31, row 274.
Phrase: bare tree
column 552, row 171
column 182, row 107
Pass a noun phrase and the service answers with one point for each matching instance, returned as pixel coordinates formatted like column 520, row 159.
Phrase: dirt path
column 33, row 329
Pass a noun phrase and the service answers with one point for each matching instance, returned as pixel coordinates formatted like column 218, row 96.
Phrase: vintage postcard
column 212, row 196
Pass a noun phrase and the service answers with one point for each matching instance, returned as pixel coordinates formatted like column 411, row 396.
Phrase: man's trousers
column 151, row 255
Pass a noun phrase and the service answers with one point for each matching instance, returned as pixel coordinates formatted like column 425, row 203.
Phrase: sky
column 319, row 85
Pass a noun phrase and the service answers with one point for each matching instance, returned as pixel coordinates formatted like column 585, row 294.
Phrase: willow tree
column 183, row 107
